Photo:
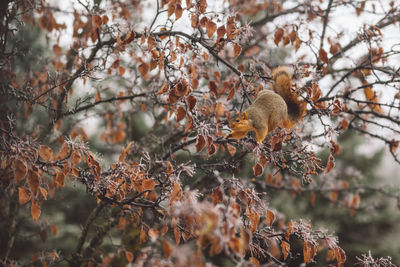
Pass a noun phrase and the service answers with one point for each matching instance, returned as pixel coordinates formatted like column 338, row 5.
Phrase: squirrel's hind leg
column 261, row 134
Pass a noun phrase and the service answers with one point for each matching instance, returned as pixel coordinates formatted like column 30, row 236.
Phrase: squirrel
column 270, row 109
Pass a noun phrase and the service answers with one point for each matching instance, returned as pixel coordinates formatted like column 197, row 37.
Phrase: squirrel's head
column 238, row 121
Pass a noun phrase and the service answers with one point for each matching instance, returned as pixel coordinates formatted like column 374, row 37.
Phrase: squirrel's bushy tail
column 283, row 84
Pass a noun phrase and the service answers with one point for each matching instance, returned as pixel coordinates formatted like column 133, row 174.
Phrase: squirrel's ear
column 244, row 115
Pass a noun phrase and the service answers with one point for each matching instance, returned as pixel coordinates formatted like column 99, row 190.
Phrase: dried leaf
column 340, row 256
column 194, row 19
column 148, row 184
column 57, row 50
column 64, row 151
column 330, row 164
column 309, row 251
column 394, row 145
column 45, row 153
column 217, row 196
column 221, row 32
column 54, row 229
column 176, row 192
column 191, row 102
column 59, row 180
column 96, row 21
column 24, row 195
column 236, row 50
column 269, row 217
column 312, row 199
column 285, row 249
column 43, row 192
column 333, row 196
column 258, row 169
column 166, row 249
column 180, row 114
column 129, row 256
column 143, row 69
column 35, row 210
column 278, row 36
column 33, row 181
column 178, row 12
column 177, row 235
column 323, row 56
column 211, row 27
column 254, row 220
column 20, row 170
column 75, row 157
column 200, row 143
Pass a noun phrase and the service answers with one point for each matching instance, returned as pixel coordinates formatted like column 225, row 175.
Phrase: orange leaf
column 236, row 50
column 330, row 255
column 217, row 196
column 180, row 114
column 285, row 249
column 258, row 169
column 200, row 143
column 191, row 102
column 254, row 220
column 345, row 124
column 394, row 145
column 57, row 50
column 35, row 210
column 143, row 69
column 96, row 21
column 63, row 151
column 309, row 251
column 33, row 181
column 45, row 152
column 340, row 256
column 333, row 196
column 278, row 36
column 20, row 170
column 171, row 8
column 148, row 184
column 59, row 180
column 75, row 157
column 330, row 164
column 269, row 217
column 177, row 235
column 176, row 192
column 104, row 19
column 129, row 256
column 312, row 199
column 323, row 56
column 231, row 150
column 211, row 27
column 163, row 89
column 43, row 192
column 221, row 32
column 193, row 20
column 167, row 249
column 178, row 12
column 54, row 229
column 276, row 143
column 151, row 43
column 24, row 195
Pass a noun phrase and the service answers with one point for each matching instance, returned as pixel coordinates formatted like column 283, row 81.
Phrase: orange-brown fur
column 270, row 109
